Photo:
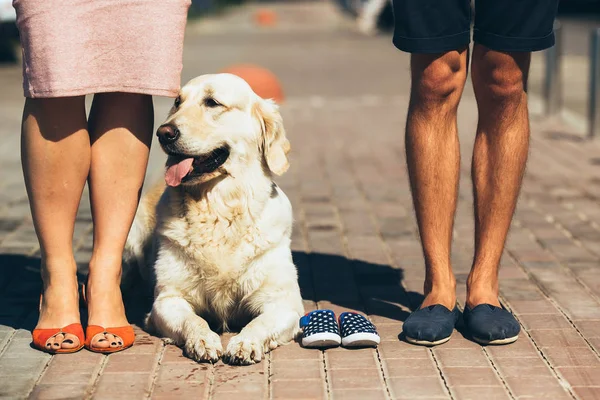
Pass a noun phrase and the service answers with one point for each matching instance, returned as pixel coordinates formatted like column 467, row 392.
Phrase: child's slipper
column 320, row 329
column 358, row 331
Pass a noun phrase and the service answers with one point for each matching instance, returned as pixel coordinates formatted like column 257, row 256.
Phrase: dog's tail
column 137, row 252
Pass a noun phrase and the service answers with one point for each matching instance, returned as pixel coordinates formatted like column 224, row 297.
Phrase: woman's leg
column 55, row 149
column 120, row 126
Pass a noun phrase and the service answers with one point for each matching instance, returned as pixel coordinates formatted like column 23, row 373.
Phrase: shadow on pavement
column 20, row 288
column 372, row 288
column 330, row 279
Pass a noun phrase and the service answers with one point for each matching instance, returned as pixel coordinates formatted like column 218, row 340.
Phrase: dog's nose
column 167, row 134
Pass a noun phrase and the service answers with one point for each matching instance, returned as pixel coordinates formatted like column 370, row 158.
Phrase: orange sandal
column 122, row 337
column 40, row 338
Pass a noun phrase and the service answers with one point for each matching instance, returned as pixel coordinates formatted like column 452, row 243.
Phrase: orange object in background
column 265, row 17
column 261, row 80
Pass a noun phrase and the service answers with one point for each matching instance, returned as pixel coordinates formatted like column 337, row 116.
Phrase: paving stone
column 182, row 371
column 460, row 358
column 24, row 366
column 479, row 392
column 59, row 391
column 471, row 376
column 589, row 328
column 536, row 387
column 412, row 367
column 17, row 387
column 402, row 350
column 557, row 338
column 122, row 386
column 358, row 394
column 180, row 389
column 417, row 387
column 544, row 321
column 297, row 369
column 126, row 363
column 303, row 389
column 518, row 367
column 587, row 393
column 571, row 357
column 581, row 376
column 232, row 380
column 355, row 378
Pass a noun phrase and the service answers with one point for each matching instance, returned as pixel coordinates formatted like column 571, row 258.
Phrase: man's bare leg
column 499, row 157
column 433, row 157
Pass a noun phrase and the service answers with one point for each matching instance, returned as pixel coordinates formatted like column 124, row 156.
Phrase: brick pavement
column 355, row 244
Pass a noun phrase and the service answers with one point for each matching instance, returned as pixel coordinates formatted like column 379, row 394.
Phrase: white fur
column 219, row 246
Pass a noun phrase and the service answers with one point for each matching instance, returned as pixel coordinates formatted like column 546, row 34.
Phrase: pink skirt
column 78, row 47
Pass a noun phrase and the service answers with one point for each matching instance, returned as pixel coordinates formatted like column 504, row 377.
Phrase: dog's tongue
column 176, row 172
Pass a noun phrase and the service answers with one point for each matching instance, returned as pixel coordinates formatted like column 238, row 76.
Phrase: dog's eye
column 177, row 102
column 211, row 103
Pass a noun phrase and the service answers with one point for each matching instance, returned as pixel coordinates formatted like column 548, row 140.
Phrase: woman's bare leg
column 55, row 149
column 120, row 126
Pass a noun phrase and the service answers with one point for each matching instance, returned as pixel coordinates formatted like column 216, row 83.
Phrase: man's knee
column 500, row 77
column 439, row 79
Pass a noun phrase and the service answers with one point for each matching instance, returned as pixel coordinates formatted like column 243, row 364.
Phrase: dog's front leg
column 173, row 317
column 276, row 325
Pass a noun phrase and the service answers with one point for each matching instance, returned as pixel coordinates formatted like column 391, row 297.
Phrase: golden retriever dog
column 216, row 238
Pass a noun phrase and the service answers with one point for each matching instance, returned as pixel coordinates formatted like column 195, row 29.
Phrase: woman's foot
column 59, row 308
column 105, row 309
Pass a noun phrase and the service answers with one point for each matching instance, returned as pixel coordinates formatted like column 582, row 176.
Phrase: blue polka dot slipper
column 357, row 331
column 320, row 329
column 489, row 324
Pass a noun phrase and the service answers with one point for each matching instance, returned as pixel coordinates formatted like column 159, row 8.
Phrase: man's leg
column 499, row 156
column 433, row 157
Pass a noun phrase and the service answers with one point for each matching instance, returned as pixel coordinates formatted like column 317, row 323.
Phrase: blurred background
column 371, row 18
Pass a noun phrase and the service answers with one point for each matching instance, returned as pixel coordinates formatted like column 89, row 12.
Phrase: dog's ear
column 275, row 145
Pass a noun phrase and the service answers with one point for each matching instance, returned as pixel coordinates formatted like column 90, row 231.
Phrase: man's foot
column 489, row 324
column 440, row 291
column 485, row 318
column 434, row 321
column 446, row 298
column 431, row 325
column 482, row 291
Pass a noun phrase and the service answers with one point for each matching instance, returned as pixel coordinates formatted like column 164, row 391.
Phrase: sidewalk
column 355, row 243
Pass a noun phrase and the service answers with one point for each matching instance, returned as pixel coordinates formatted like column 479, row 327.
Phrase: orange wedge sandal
column 43, row 339
column 99, row 339
column 110, row 340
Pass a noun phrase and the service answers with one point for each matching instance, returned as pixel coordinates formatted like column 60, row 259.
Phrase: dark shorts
column 437, row 26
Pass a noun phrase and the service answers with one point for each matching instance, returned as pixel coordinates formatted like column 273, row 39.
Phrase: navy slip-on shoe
column 489, row 324
column 430, row 326
column 320, row 329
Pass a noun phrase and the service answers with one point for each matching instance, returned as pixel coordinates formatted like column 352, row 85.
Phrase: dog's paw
column 205, row 346
column 243, row 351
